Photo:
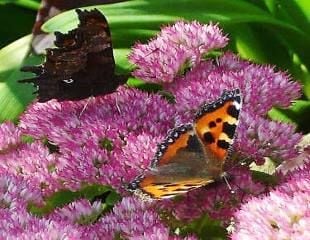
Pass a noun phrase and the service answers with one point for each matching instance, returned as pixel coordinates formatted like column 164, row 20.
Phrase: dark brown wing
column 82, row 65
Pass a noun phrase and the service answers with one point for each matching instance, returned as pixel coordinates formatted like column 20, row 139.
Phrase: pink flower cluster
column 262, row 88
column 175, row 49
column 114, row 138
column 130, row 219
column 282, row 214
column 218, row 202
column 9, row 136
column 110, row 143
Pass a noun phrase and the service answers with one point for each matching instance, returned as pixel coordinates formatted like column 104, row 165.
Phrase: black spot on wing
column 159, row 184
column 223, row 144
column 218, row 120
column 193, row 144
column 164, row 189
column 181, row 190
column 171, row 185
column 212, row 124
column 208, row 137
column 229, row 129
column 232, row 111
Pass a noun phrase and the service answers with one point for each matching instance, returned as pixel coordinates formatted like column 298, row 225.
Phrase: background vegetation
column 268, row 31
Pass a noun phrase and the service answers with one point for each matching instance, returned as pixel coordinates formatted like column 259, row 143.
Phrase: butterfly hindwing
column 179, row 166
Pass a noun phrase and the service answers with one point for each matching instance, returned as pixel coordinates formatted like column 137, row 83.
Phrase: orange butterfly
column 192, row 155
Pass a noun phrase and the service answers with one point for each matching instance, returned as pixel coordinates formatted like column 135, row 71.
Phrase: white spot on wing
column 237, row 105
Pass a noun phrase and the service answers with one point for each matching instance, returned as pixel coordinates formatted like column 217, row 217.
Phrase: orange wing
column 215, row 125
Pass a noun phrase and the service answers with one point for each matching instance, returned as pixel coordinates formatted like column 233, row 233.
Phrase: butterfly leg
column 85, row 106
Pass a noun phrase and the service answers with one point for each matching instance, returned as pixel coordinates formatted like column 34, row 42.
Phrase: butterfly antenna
column 224, row 176
column 85, row 106
column 117, row 106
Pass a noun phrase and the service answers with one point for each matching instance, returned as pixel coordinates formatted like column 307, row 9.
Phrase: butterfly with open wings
column 192, row 155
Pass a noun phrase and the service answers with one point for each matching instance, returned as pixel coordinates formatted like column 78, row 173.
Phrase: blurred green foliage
column 17, row 20
column 266, row 31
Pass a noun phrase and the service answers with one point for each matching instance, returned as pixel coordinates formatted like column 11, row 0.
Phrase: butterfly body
column 192, row 155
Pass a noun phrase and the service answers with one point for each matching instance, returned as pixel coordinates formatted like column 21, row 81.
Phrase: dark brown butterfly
column 81, row 65
column 50, row 8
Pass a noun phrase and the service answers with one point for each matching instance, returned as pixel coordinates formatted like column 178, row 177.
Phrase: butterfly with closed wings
column 81, row 66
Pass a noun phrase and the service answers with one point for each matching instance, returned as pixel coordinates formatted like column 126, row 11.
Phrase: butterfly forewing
column 215, row 125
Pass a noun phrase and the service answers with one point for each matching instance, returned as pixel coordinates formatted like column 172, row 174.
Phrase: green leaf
column 298, row 113
column 113, row 198
column 264, row 178
column 205, row 228
column 91, row 191
column 64, row 197
column 148, row 14
column 30, row 4
column 58, row 199
column 13, row 97
column 137, row 83
column 292, row 12
column 19, row 23
column 304, row 6
column 246, row 43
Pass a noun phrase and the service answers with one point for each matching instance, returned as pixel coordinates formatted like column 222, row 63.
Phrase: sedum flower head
column 261, row 86
column 16, row 222
column 134, row 219
column 175, row 49
column 106, row 144
column 10, row 136
column 282, row 214
column 16, row 192
column 217, row 199
column 80, row 212
column 259, row 137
